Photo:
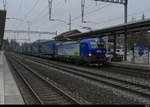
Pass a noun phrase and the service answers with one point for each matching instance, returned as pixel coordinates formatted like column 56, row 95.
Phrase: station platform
column 9, row 92
column 131, row 65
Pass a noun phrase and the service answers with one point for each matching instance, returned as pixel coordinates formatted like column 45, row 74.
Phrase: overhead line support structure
column 31, row 32
column 125, row 3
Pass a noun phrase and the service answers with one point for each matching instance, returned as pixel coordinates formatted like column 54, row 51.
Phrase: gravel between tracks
column 91, row 91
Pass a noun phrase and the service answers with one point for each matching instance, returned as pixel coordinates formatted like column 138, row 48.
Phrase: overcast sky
column 100, row 15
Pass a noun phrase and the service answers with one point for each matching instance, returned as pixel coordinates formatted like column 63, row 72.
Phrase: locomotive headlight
column 90, row 54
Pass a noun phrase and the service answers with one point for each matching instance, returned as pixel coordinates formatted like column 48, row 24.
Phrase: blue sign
column 141, row 51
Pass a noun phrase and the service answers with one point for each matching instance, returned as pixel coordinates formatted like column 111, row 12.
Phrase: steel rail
column 27, row 84
column 123, row 84
column 61, row 92
column 142, row 73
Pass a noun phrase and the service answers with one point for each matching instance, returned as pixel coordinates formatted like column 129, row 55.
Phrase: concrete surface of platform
column 9, row 92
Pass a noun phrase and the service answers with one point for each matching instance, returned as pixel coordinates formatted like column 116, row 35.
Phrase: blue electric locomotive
column 91, row 51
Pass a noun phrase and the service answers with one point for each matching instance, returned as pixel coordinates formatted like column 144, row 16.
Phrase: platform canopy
column 119, row 29
column 63, row 36
column 2, row 25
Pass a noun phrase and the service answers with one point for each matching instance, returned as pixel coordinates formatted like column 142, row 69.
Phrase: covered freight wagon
column 35, row 50
column 47, row 49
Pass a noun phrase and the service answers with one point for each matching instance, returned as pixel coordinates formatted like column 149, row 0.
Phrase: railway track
column 136, row 73
column 121, row 70
column 43, row 90
column 138, row 89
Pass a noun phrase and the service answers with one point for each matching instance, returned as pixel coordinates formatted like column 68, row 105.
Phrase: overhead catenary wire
column 129, row 15
column 28, row 13
column 44, row 12
column 91, row 12
column 18, row 10
column 40, row 13
column 88, row 13
column 117, row 18
column 78, row 17
column 98, row 10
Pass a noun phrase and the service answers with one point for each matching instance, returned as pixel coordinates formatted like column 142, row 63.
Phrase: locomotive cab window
column 93, row 45
column 97, row 44
column 82, row 45
column 100, row 44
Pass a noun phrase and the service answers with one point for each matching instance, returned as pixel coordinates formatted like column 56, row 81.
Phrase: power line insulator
column 50, row 9
column 82, row 9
